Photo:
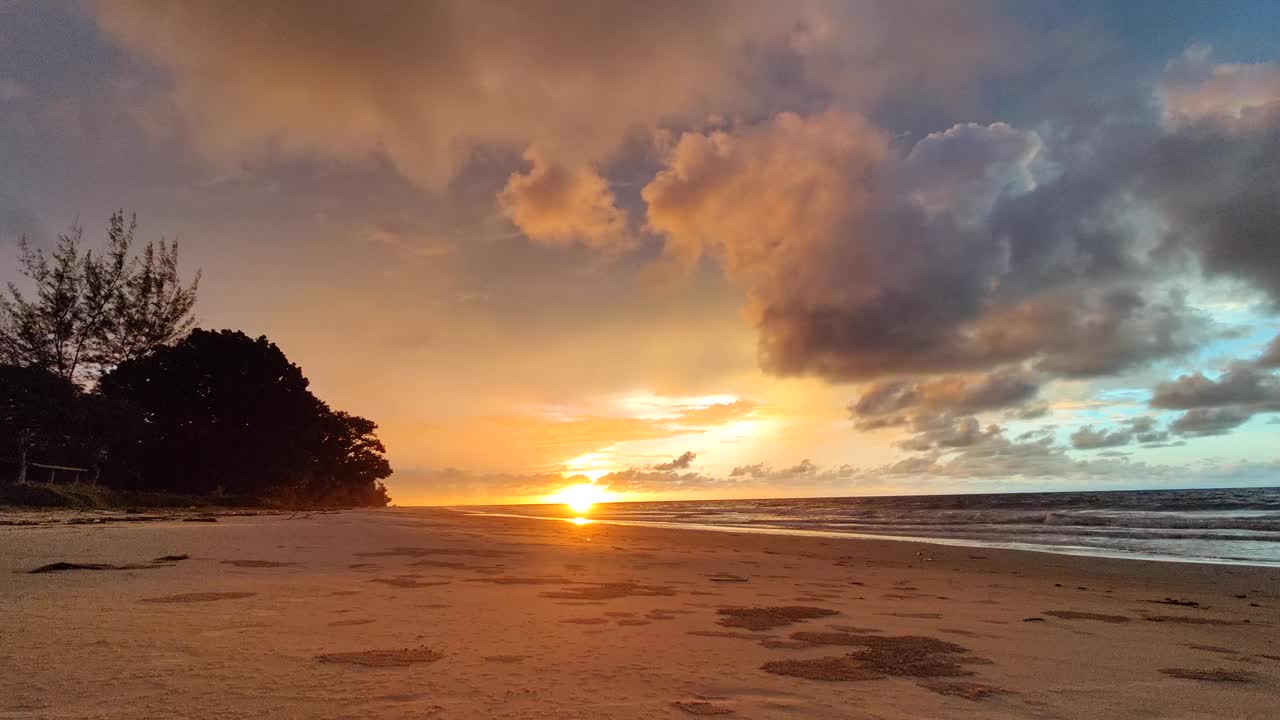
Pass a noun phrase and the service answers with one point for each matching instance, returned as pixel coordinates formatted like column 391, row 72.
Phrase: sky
column 702, row 250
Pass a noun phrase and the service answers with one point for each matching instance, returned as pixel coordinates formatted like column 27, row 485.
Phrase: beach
column 432, row 613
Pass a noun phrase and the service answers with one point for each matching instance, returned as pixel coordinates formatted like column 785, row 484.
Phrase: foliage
column 40, row 413
column 220, row 412
column 91, row 311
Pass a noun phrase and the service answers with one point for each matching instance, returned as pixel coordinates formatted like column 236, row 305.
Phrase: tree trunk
column 22, row 464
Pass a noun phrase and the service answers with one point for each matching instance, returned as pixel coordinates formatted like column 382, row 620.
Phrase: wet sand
column 432, row 614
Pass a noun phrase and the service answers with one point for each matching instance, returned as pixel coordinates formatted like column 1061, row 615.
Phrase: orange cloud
column 424, row 84
column 557, row 205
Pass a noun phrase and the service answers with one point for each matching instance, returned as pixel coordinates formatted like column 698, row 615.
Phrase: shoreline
column 434, row 613
column 1073, row 551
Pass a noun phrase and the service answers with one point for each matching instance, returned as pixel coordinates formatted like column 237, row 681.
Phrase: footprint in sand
column 348, row 623
column 610, row 591
column 901, row 656
column 767, row 618
column 585, row 621
column 257, row 563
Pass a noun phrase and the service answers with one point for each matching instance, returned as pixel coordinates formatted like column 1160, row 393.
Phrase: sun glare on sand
column 582, row 497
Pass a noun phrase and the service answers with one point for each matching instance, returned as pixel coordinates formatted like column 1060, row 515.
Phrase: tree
column 348, row 462
column 41, row 415
column 90, row 312
column 216, row 412
column 222, row 412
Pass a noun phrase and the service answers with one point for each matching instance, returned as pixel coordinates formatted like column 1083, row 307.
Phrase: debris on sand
column 1185, row 620
column 1217, row 675
column 1180, row 603
column 697, row 707
column 199, row 597
column 163, row 561
column 383, row 658
column 1073, row 615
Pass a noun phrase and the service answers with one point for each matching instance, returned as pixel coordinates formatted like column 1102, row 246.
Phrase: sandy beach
column 434, row 614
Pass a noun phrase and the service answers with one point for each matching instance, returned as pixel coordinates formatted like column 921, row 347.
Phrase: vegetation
column 99, row 369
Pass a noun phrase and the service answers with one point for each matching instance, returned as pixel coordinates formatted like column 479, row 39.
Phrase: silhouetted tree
column 222, row 412
column 41, row 417
column 349, row 461
column 218, row 411
column 89, row 312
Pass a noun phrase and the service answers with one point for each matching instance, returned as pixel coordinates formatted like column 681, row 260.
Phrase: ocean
column 1237, row 525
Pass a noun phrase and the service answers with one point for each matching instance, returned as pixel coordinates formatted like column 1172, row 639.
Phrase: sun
column 581, row 497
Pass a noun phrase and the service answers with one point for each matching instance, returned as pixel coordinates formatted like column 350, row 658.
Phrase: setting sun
column 580, row 498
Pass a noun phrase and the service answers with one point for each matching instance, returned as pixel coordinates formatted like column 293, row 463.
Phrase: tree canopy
column 222, row 412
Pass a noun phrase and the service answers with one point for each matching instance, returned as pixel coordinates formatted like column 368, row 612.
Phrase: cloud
column 764, row 475
column 1241, row 383
column 965, row 169
column 1217, row 406
column 1200, row 422
column 851, row 275
column 424, row 84
column 1086, row 438
column 1270, row 357
column 1194, row 88
column 680, row 463
column 556, row 205
column 892, row 402
column 935, row 432
column 1214, row 172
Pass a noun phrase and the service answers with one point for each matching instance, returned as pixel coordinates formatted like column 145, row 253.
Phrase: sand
column 489, row 617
